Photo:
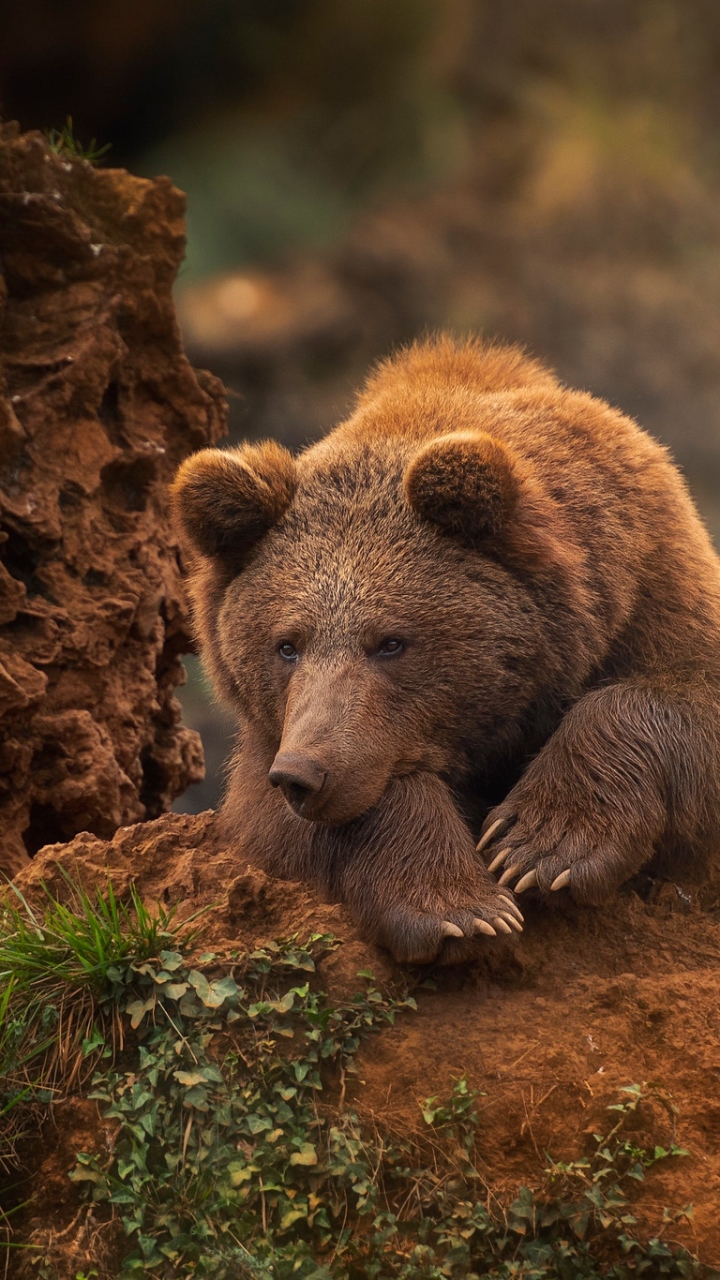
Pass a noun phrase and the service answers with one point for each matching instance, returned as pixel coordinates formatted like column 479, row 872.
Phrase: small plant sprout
column 64, row 143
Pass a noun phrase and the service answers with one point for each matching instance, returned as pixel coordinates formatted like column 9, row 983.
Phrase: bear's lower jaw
column 326, row 811
column 322, row 819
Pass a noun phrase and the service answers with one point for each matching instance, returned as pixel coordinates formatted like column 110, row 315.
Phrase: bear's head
column 372, row 608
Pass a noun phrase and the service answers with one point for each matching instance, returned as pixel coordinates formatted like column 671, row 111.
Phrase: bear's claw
column 482, row 927
column 528, row 881
column 502, row 925
column 493, row 830
column 499, row 859
column 448, row 928
column 512, row 906
column 561, row 881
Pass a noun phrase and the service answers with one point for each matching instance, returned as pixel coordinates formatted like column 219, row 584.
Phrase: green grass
column 63, row 973
column 64, row 143
column 15, row 1062
column 236, row 1150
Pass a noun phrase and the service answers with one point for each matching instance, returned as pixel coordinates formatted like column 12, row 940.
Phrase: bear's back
column 603, row 486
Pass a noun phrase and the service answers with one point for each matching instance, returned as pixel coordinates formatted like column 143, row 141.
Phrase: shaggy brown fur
column 482, row 589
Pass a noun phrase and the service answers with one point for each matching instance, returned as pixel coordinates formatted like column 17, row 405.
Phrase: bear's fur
column 482, row 596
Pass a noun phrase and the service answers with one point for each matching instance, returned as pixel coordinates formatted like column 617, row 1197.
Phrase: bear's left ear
column 226, row 500
column 466, row 483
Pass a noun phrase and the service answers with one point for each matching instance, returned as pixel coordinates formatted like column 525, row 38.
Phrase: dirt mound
column 98, row 405
column 547, row 1026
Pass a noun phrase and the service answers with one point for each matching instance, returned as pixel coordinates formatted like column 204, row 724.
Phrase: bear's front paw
column 447, row 931
column 590, row 850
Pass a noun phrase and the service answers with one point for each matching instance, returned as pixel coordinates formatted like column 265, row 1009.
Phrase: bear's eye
column 288, row 651
column 390, row 648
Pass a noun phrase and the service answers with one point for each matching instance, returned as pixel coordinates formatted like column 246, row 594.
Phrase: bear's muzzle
column 300, row 778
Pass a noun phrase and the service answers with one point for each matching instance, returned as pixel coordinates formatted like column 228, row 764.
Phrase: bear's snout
column 301, row 779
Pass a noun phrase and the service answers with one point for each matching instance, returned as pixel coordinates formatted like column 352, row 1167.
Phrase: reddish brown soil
column 549, row 1025
column 98, row 405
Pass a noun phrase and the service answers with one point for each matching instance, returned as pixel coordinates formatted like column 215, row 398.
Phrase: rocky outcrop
column 98, row 405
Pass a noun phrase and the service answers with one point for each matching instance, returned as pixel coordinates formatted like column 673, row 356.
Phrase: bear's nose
column 300, row 778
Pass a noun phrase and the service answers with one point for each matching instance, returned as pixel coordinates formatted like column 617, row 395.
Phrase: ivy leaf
column 137, row 1010
column 286, row 1004
column 93, row 1041
column 176, row 990
column 170, row 960
column 197, row 1098
column 162, row 977
column 259, row 1010
column 306, row 1155
column 213, row 1073
column 218, row 992
column 258, row 1124
column 292, row 1215
column 581, row 1224
column 189, row 1077
column 85, row 1174
column 149, row 1121
column 240, row 1173
column 151, row 1253
column 189, row 1007
column 200, row 984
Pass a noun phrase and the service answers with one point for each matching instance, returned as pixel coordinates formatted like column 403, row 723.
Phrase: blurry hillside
column 543, row 170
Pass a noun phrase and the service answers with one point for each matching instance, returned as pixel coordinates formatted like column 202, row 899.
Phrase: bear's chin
column 332, row 812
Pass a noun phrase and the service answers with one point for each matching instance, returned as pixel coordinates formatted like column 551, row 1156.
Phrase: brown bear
column 481, row 596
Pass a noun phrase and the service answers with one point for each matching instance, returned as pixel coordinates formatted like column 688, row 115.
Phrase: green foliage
column 11, row 1096
column 78, row 944
column 231, row 1162
column 64, row 143
column 234, row 1152
column 15, row 1058
column 219, row 1169
column 64, row 970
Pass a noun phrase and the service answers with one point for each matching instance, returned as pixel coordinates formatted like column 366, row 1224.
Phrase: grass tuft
column 64, row 971
column 64, row 143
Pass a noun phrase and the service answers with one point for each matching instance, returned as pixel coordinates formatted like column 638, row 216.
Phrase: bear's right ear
column 225, row 500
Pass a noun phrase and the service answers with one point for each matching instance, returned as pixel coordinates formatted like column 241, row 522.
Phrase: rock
column 98, row 405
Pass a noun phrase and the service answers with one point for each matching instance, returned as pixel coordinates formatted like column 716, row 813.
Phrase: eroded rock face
column 98, row 405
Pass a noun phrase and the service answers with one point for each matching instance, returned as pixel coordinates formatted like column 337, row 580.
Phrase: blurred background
column 362, row 171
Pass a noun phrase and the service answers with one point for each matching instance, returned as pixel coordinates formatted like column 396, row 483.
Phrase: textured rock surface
column 98, row 405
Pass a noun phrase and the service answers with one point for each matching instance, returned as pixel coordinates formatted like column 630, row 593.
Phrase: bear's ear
column 225, row 500
column 466, row 483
